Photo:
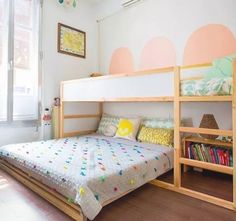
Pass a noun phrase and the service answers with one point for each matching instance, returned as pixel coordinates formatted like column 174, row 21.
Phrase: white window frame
column 10, row 75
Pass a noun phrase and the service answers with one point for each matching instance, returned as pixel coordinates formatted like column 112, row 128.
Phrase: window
column 19, row 30
column 3, row 62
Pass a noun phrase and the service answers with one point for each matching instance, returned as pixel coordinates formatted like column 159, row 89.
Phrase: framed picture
column 71, row 41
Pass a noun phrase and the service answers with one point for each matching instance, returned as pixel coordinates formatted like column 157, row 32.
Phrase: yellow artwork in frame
column 71, row 41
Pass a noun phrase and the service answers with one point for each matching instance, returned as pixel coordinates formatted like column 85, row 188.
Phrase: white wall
column 56, row 66
column 133, row 27
column 191, row 112
column 17, row 134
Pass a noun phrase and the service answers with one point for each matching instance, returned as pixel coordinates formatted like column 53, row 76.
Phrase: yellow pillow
column 128, row 128
column 156, row 136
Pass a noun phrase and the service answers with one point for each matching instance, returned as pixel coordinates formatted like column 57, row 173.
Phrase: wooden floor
column 148, row 203
column 212, row 183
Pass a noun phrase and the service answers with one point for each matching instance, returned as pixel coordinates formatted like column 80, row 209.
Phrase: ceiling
column 95, row 1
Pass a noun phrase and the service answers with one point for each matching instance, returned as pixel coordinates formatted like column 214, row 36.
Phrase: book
column 221, row 156
column 226, row 154
column 208, row 155
column 199, row 152
column 212, row 155
column 187, row 150
column 231, row 159
column 195, row 153
column 203, row 151
column 191, row 153
column 216, row 156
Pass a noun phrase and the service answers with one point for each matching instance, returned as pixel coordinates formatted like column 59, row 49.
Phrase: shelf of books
column 208, row 154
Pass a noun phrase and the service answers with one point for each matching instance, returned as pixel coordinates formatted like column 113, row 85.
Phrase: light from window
column 25, row 61
column 3, row 61
column 22, row 94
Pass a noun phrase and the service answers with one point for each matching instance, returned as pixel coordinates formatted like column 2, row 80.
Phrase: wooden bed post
column 61, row 111
column 177, row 119
column 100, row 109
column 234, row 132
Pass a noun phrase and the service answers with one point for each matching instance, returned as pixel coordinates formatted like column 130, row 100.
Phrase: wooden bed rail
column 64, row 117
column 124, row 99
column 56, row 199
column 140, row 73
column 204, row 65
column 137, row 73
column 76, row 116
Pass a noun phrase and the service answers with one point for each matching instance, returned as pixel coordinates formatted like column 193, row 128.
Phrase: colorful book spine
column 213, row 159
column 217, row 161
column 202, row 148
column 208, row 153
column 195, row 153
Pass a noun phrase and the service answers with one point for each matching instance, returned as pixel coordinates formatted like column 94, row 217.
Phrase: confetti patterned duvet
column 89, row 170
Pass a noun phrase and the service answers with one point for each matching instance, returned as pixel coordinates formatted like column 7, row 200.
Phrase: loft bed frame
column 74, row 210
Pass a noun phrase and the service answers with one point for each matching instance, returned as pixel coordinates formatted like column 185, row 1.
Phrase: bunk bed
column 114, row 89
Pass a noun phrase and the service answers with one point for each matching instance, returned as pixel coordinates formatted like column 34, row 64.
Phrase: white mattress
column 89, row 170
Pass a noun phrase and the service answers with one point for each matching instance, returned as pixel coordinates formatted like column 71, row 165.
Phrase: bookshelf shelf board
column 206, row 98
column 217, row 143
column 206, row 131
column 208, row 166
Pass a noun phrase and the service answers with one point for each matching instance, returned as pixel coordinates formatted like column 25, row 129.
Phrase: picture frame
column 71, row 41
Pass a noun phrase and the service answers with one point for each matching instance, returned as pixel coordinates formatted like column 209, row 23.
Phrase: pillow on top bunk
column 161, row 136
column 128, row 128
column 158, row 122
column 108, row 125
column 222, row 67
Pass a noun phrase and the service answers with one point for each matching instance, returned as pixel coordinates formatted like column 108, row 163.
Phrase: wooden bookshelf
column 202, row 164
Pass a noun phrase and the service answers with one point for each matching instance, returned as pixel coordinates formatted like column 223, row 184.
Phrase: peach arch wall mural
column 158, row 52
column 121, row 61
column 209, row 42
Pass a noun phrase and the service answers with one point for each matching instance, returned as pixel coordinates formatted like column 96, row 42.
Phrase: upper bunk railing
column 140, row 86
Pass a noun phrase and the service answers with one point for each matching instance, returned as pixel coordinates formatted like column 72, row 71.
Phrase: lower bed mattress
column 90, row 170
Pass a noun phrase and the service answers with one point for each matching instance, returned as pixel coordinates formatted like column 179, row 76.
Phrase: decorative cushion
column 156, row 136
column 158, row 122
column 108, row 125
column 128, row 128
column 110, row 130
